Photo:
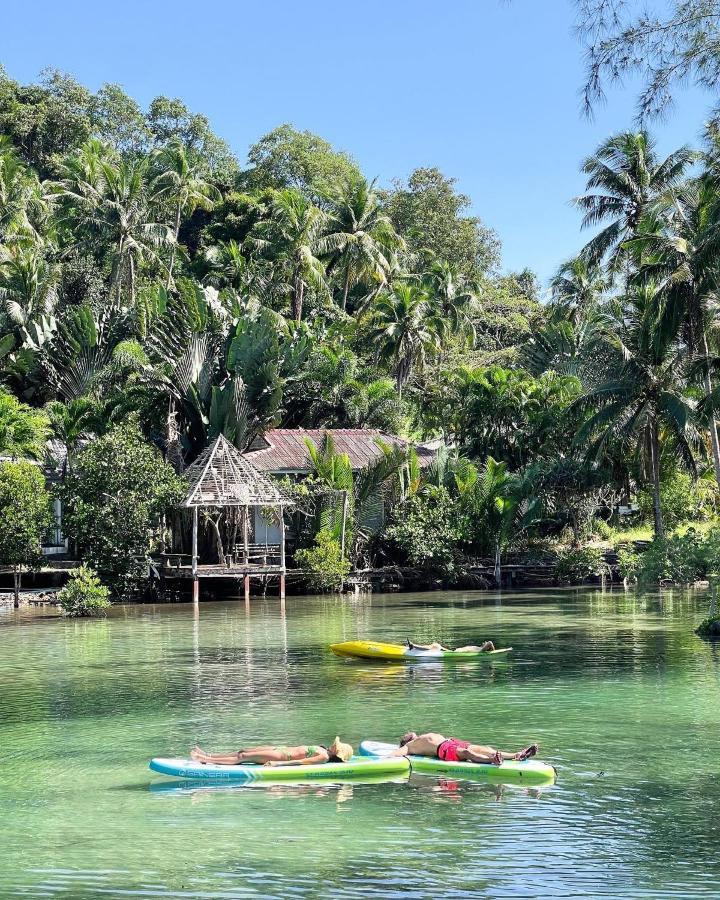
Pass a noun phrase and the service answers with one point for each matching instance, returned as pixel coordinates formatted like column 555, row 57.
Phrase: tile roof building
column 283, row 451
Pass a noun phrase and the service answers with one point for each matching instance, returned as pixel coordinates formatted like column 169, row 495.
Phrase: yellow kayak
column 380, row 650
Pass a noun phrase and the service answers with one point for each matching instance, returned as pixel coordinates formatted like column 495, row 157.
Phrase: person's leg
column 525, row 753
column 478, row 753
column 220, row 759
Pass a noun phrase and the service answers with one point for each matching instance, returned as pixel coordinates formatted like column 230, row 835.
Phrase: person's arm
column 399, row 751
column 313, row 760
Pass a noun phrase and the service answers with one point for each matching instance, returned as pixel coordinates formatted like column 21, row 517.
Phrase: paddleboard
column 357, row 767
column 529, row 771
column 380, row 650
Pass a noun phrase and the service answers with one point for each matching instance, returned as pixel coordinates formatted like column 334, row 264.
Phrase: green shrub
column 601, row 528
column 426, row 528
column 682, row 500
column 679, row 559
column 577, row 565
column 324, row 562
column 629, row 561
column 84, row 595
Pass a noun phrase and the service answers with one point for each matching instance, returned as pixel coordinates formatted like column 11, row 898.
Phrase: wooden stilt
column 196, row 590
column 282, row 554
column 246, row 579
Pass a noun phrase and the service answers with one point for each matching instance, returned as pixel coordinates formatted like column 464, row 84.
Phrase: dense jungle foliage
column 157, row 292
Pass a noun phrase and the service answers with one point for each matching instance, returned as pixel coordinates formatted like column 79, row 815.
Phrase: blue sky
column 486, row 90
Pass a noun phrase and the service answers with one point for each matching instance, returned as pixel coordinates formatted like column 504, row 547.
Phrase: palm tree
column 455, row 299
column 71, row 424
column 405, row 329
column 28, row 284
column 578, row 286
column 293, row 235
column 179, row 183
column 107, row 198
column 23, row 430
column 361, row 238
column 642, row 407
column 680, row 248
column 22, row 207
column 626, row 179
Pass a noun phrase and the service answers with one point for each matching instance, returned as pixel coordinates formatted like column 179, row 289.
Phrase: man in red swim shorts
column 437, row 746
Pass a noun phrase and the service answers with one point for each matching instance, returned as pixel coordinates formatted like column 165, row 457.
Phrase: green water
column 620, row 694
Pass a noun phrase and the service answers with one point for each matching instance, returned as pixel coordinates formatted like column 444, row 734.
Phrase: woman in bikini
column 454, row 750
column 278, row 755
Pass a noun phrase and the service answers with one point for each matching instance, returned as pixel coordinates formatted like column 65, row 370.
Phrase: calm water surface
column 621, row 695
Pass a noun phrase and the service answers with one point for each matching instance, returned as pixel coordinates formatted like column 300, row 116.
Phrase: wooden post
column 195, row 541
column 344, row 524
column 246, row 579
column 282, row 554
column 246, row 545
column 196, row 580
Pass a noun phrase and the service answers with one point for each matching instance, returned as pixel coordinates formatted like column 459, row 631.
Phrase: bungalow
column 283, row 452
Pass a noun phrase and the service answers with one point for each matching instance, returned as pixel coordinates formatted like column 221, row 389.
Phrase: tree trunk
column 655, row 463
column 346, row 287
column 16, row 587
column 713, row 425
column 297, row 301
column 497, row 573
column 174, row 247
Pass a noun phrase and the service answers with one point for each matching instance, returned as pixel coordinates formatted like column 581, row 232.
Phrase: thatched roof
column 222, row 476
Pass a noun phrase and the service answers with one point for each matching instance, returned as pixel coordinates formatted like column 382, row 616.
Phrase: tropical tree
column 28, row 285
column 107, row 199
column 643, row 407
column 71, row 424
column 181, row 185
column 361, row 237
column 293, row 237
column 454, row 297
column 24, row 518
column 24, row 431
column 577, row 287
column 625, row 178
column 405, row 329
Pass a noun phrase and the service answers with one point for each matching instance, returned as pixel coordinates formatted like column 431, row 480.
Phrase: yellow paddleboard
column 380, row 650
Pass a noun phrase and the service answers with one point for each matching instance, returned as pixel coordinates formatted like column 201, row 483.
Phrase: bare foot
column 527, row 752
column 497, row 760
column 197, row 754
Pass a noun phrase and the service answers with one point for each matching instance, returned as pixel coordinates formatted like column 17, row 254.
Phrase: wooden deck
column 235, row 570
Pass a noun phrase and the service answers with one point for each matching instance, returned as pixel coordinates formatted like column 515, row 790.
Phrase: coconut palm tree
column 361, row 237
column 455, row 299
column 107, row 198
column 405, row 329
column 680, row 247
column 72, row 423
column 625, row 178
column 643, row 407
column 578, row 286
column 179, row 183
column 293, row 237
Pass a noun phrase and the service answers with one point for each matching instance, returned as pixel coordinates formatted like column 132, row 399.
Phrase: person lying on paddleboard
column 277, row 755
column 471, row 648
column 437, row 746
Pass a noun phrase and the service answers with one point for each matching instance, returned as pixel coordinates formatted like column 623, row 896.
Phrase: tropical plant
column 179, row 182
column 361, row 239
column 84, row 594
column 405, row 329
column 625, row 178
column 643, row 407
column 24, row 431
column 293, row 237
column 25, row 516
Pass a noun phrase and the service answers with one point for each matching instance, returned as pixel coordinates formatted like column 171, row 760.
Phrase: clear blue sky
column 484, row 89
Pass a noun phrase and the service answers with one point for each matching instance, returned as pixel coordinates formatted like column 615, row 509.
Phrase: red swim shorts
column 449, row 748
